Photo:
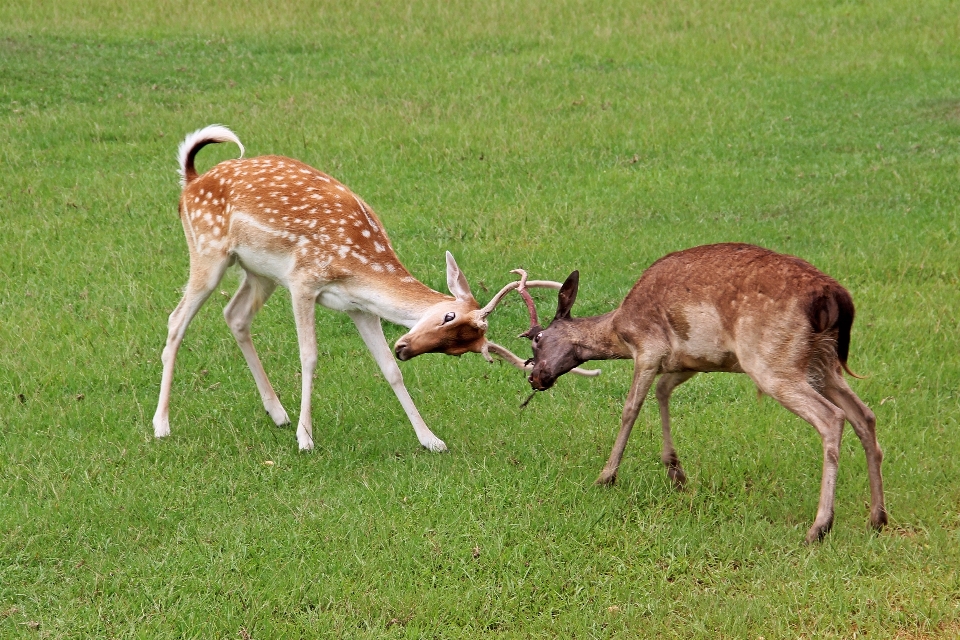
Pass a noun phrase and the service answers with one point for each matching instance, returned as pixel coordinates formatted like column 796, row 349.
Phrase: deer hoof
column 161, row 428
column 818, row 532
column 677, row 476
column 435, row 444
column 606, row 478
column 279, row 416
column 305, row 441
column 879, row 520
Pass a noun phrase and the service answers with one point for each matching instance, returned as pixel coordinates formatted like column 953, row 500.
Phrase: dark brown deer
column 725, row 307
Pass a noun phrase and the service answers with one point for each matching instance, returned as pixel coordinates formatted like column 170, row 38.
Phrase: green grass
column 551, row 136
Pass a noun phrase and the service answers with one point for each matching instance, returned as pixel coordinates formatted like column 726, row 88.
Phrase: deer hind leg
column 246, row 302
column 864, row 423
column 642, row 379
column 372, row 333
column 803, row 400
column 665, row 386
column 205, row 275
column 304, row 313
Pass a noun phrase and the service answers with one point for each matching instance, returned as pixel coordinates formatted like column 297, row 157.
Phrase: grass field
column 549, row 136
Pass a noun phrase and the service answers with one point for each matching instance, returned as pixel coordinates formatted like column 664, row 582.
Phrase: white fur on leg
column 161, row 426
column 304, row 439
column 433, row 443
column 371, row 331
column 278, row 414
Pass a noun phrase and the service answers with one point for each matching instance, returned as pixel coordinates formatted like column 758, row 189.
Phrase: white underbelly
column 334, row 297
column 276, row 266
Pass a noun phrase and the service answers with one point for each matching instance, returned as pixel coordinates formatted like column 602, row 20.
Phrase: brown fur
column 286, row 223
column 726, row 307
column 332, row 233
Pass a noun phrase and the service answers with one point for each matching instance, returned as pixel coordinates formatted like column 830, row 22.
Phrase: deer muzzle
column 540, row 379
column 402, row 351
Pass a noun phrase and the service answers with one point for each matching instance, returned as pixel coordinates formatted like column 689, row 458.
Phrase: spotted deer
column 725, row 307
column 286, row 223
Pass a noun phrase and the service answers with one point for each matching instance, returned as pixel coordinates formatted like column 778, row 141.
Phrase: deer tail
column 198, row 140
column 833, row 310
column 844, row 324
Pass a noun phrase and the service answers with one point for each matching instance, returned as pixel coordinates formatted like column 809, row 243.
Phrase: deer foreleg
column 304, row 312
column 372, row 333
column 642, row 379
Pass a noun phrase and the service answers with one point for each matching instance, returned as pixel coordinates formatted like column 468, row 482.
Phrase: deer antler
column 516, row 284
column 511, row 358
column 535, row 327
column 521, row 287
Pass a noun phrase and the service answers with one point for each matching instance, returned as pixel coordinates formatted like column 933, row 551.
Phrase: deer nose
column 402, row 351
column 539, row 381
column 534, row 381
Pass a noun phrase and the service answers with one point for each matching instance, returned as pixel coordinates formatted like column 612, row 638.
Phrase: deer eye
column 537, row 337
column 449, row 317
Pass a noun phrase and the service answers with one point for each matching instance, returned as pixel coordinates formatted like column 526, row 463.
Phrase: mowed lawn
column 546, row 135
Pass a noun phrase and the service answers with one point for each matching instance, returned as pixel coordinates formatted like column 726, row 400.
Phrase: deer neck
column 598, row 338
column 401, row 300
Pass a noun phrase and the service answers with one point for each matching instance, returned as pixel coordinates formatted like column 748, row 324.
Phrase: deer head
column 555, row 349
column 454, row 326
column 458, row 325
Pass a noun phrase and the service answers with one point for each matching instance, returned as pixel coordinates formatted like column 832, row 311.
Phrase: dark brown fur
column 727, row 307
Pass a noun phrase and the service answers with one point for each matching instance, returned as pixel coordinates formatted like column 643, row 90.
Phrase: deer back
column 281, row 216
column 709, row 307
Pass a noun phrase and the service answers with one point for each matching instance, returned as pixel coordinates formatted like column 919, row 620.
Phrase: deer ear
column 567, row 296
column 456, row 281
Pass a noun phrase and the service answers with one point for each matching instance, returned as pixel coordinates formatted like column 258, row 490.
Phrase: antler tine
column 508, row 356
column 522, row 283
column 497, row 298
column 510, row 286
column 531, row 307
